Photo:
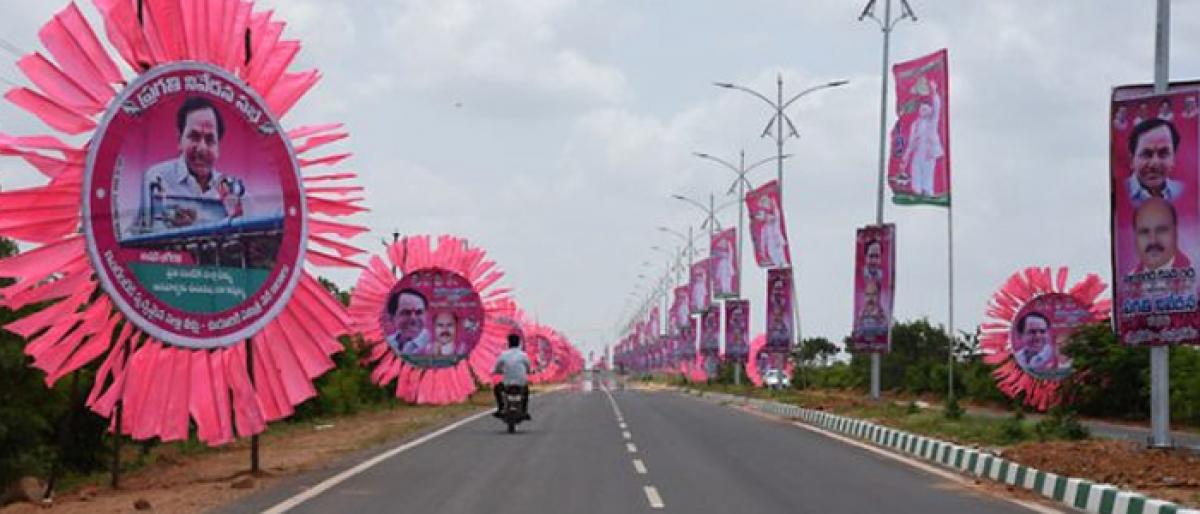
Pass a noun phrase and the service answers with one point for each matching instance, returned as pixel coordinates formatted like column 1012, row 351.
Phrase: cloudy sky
column 553, row 132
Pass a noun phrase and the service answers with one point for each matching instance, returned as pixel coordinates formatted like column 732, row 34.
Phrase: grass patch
column 962, row 428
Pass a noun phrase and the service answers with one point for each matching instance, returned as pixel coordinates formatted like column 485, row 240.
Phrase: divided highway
column 590, row 451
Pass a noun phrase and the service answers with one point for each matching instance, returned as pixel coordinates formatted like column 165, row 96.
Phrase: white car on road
column 776, row 379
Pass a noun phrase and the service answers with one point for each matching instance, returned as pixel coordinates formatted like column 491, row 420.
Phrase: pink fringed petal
column 57, row 116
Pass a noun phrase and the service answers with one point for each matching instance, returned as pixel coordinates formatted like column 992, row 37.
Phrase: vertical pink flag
column 767, row 227
column 687, row 340
column 680, row 309
column 737, row 330
column 874, row 288
column 700, row 287
column 919, row 165
column 780, row 331
column 652, row 325
column 1155, row 215
column 724, row 259
column 710, row 332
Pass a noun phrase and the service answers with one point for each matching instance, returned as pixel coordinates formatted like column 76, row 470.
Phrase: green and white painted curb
column 1078, row 493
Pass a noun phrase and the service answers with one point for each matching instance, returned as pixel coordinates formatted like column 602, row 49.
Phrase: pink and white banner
column 874, row 288
column 919, row 165
column 687, row 340
column 737, row 330
column 724, row 259
column 679, row 309
column 710, row 332
column 767, row 227
column 1155, row 215
column 653, row 324
column 780, row 332
column 700, row 287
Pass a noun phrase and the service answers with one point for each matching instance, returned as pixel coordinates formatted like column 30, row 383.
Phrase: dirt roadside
column 192, row 483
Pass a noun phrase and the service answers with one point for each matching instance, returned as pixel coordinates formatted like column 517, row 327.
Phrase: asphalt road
column 589, row 452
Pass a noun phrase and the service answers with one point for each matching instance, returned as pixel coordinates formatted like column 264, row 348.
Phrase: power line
column 12, row 49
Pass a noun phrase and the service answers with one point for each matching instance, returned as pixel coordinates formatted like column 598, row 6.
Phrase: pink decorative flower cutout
column 432, row 318
column 1030, row 319
column 164, row 387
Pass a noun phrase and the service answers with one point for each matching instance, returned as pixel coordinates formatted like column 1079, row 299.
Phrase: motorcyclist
column 514, row 365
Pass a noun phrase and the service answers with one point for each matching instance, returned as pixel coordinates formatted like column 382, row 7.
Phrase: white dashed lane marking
column 652, row 496
column 639, row 466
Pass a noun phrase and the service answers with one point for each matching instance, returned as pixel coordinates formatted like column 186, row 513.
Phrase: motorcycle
column 513, row 412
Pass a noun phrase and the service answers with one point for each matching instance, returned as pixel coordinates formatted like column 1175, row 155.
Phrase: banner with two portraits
column 1155, row 214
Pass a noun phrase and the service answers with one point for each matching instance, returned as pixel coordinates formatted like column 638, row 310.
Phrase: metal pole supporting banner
column 883, row 101
column 950, row 294
column 1160, row 392
column 254, row 466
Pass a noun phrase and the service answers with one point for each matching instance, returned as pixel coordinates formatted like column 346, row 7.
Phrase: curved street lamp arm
column 693, row 202
column 817, row 87
column 719, row 160
column 728, row 85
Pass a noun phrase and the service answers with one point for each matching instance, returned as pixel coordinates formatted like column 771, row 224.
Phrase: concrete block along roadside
column 1077, row 493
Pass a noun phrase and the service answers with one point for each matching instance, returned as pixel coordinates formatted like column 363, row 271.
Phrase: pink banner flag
column 710, row 332
column 874, row 288
column 679, row 309
column 700, row 287
column 767, row 227
column 724, row 259
column 919, row 165
column 687, row 340
column 652, row 325
column 737, row 330
column 1155, row 215
column 780, row 331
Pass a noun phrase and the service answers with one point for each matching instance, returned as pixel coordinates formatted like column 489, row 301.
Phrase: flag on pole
column 767, row 227
column 919, row 164
column 724, row 263
column 874, row 288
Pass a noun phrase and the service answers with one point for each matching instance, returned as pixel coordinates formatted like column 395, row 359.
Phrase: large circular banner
column 433, row 318
column 1029, row 321
column 193, row 207
column 1041, row 330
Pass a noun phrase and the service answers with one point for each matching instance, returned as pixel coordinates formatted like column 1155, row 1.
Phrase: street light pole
column 777, row 121
column 1160, row 391
column 886, row 25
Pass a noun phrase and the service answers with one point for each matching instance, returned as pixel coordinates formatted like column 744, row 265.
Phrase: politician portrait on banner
column 737, row 330
column 780, row 331
column 700, row 287
column 710, row 332
column 724, row 264
column 919, row 164
column 195, row 214
column 874, row 282
column 433, row 318
column 679, row 309
column 767, row 227
column 687, row 340
column 1155, row 218
column 652, row 325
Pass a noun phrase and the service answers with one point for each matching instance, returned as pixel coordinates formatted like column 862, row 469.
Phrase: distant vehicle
column 776, row 379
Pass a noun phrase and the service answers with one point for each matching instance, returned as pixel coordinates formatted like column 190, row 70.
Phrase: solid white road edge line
column 652, row 496
column 948, row 475
column 639, row 466
column 312, row 492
